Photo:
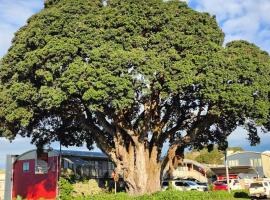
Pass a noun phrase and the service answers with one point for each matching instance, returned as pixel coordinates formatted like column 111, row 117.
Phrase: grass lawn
column 173, row 195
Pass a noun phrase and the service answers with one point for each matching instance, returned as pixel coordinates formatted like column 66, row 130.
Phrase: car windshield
column 252, row 185
column 179, row 184
column 191, row 183
column 219, row 183
column 199, row 183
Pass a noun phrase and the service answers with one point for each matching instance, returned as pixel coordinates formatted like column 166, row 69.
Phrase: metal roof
column 86, row 154
column 77, row 161
column 82, row 153
column 233, row 170
column 248, row 152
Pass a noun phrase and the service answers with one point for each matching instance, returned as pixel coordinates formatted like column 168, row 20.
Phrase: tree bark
column 140, row 168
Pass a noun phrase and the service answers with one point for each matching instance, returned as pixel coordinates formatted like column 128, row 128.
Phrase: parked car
column 183, row 185
column 235, row 184
column 218, row 185
column 259, row 189
column 203, row 186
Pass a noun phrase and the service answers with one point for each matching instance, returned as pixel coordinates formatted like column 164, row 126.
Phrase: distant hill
column 214, row 157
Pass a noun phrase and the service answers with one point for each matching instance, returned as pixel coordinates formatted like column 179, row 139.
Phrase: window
column 251, row 162
column 41, row 163
column 233, row 163
column 255, row 185
column 165, row 183
column 26, row 167
column 179, row 183
column 257, row 162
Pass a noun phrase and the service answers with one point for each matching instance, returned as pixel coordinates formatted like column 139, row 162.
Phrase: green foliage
column 214, row 156
column 133, row 72
column 65, row 188
column 19, row 198
column 170, row 187
column 241, row 194
column 174, row 194
column 211, row 187
column 86, row 188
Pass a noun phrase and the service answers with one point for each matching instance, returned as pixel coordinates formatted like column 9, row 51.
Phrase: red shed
column 34, row 175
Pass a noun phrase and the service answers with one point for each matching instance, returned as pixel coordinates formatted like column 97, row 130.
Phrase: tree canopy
column 215, row 156
column 131, row 75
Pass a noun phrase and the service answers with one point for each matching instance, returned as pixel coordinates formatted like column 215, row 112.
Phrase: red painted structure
column 224, row 177
column 34, row 175
column 30, row 182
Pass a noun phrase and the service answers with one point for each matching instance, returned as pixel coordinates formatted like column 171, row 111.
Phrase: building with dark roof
column 35, row 174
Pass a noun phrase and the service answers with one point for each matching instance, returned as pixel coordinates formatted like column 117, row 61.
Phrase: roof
column 77, row 161
column 195, row 163
column 233, row 170
column 251, row 152
column 82, row 153
column 85, row 154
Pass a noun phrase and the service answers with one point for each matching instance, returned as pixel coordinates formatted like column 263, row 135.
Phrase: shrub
column 65, row 188
column 86, row 188
column 241, row 194
column 19, row 198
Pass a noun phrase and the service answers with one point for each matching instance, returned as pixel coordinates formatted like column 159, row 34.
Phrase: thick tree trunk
column 140, row 169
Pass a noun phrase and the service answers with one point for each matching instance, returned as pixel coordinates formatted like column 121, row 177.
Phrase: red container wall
column 33, row 186
column 224, row 177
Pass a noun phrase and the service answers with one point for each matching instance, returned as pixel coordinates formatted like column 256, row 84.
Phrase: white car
column 259, row 189
column 266, row 185
column 202, row 186
column 183, row 185
column 235, row 184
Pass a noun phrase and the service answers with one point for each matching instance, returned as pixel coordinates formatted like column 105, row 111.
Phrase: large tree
column 131, row 75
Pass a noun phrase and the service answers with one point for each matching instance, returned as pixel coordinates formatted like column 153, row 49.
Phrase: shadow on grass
column 242, row 195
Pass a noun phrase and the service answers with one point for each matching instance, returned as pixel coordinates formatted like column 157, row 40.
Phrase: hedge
column 172, row 195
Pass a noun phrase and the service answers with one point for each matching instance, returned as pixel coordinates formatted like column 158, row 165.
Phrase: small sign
column 115, row 176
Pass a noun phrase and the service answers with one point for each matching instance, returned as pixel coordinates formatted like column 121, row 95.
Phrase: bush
column 86, row 188
column 241, row 194
column 65, row 188
column 19, row 198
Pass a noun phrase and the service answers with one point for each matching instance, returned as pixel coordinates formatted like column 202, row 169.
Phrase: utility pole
column 227, row 172
column 58, row 167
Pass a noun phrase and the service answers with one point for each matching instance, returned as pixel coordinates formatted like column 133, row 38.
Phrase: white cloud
column 6, row 34
column 13, row 15
column 239, row 138
column 240, row 19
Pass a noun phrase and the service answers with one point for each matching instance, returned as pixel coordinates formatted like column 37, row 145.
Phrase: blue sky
column 239, row 19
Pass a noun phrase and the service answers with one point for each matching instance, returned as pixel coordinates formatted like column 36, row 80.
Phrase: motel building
column 246, row 166
column 34, row 175
column 190, row 170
